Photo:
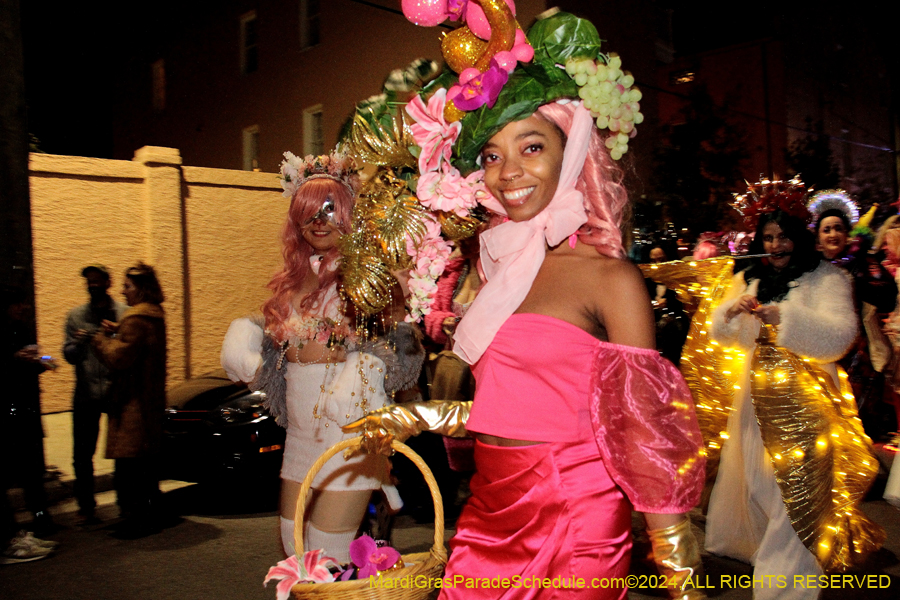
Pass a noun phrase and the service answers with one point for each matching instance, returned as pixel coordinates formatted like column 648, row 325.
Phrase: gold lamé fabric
column 803, row 417
column 711, row 371
column 822, row 458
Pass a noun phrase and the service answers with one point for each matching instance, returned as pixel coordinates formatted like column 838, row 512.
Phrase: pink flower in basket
column 313, row 570
column 371, row 558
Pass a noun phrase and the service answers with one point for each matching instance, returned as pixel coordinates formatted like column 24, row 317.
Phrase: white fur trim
column 242, row 350
column 818, row 318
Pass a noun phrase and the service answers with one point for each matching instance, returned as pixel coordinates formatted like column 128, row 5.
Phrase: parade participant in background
column 134, row 350
column 795, row 463
column 92, row 380
column 452, row 378
column 875, row 293
column 668, row 312
column 303, row 352
column 575, row 413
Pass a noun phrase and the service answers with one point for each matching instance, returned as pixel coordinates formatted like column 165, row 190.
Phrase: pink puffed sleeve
column 644, row 421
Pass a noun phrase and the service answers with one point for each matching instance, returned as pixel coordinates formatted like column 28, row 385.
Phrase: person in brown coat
column 135, row 352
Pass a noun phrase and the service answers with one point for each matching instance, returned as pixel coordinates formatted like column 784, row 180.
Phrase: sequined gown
column 747, row 518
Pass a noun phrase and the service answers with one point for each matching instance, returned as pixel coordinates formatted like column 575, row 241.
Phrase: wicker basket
column 424, row 566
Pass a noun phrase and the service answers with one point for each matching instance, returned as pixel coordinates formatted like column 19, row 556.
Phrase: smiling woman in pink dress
column 576, row 417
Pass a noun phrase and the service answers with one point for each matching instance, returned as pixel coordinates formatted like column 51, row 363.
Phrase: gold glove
column 400, row 421
column 677, row 556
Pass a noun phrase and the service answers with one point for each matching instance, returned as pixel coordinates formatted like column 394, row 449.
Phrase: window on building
column 249, row 49
column 309, row 23
column 251, row 148
column 313, row 138
column 158, row 74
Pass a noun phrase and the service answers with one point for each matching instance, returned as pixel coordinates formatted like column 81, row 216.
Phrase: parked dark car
column 216, row 429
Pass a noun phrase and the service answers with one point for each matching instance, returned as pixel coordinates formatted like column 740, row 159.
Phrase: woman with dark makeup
column 791, row 430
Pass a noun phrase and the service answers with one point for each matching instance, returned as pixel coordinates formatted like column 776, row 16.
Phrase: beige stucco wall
column 212, row 235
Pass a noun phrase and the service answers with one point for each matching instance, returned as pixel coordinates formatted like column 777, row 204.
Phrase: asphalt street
column 219, row 542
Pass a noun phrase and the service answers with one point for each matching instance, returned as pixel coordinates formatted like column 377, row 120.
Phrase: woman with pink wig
column 303, row 353
column 576, row 417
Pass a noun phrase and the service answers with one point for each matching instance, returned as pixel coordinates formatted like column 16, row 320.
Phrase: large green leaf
column 562, row 36
column 529, row 87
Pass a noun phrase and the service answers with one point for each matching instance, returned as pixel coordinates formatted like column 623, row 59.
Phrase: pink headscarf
column 512, row 253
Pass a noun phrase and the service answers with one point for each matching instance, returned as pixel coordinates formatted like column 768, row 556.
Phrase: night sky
column 73, row 51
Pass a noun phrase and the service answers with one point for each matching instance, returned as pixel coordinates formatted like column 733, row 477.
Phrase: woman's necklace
column 361, row 403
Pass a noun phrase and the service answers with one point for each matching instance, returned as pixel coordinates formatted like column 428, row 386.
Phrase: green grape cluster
column 606, row 91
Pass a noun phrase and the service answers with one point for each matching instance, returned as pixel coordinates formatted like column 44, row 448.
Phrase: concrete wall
column 212, row 235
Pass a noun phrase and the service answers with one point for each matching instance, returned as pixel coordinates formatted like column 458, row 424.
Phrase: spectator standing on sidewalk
column 92, row 380
column 21, row 433
column 134, row 349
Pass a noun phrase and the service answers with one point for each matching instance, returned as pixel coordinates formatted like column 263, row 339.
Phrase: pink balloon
column 468, row 74
column 506, row 60
column 426, row 13
column 477, row 22
column 523, row 52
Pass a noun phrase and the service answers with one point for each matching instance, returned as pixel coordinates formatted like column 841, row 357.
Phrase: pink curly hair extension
column 305, row 203
column 600, row 181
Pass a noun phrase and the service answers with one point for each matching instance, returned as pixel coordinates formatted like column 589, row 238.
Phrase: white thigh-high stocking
column 336, row 544
column 287, row 536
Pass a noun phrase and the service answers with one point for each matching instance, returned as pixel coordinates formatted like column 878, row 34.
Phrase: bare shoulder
column 620, row 271
column 623, row 303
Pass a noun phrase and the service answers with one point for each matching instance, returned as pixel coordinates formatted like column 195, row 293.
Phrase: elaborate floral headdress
column 766, row 196
column 430, row 190
column 828, row 199
column 296, row 171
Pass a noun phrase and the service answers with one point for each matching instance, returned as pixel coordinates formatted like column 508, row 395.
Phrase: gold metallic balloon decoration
column 462, row 48
column 503, row 31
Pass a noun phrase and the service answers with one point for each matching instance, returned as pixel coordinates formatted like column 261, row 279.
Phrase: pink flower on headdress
column 457, row 9
column 481, row 89
column 429, row 254
column 431, row 131
column 448, row 191
column 313, row 570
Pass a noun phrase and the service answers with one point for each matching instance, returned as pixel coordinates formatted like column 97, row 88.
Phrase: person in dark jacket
column 21, row 432
column 135, row 352
column 91, row 380
column 671, row 321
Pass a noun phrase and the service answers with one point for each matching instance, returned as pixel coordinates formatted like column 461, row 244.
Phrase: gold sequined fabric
column 822, row 458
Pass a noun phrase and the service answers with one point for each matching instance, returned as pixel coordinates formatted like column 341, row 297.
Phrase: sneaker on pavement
column 23, row 549
column 37, row 541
